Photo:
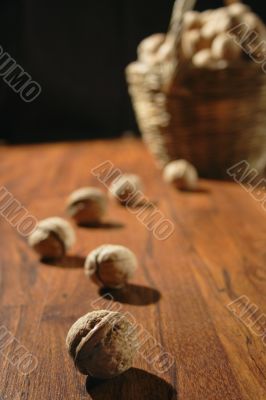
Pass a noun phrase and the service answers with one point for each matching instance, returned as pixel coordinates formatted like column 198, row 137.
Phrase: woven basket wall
column 213, row 119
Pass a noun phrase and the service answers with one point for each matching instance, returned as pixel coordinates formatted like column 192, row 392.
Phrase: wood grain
column 179, row 295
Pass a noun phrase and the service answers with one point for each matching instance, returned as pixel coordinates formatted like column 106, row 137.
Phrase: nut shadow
column 147, row 204
column 132, row 294
column 66, row 262
column 133, row 384
column 102, row 225
column 199, row 190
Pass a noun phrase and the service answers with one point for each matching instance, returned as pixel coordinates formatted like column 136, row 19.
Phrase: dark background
column 77, row 52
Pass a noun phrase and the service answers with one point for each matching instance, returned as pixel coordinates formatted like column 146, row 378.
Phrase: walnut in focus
column 102, row 344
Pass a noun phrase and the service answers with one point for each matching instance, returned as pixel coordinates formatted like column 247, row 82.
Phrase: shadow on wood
column 66, row 262
column 102, row 225
column 198, row 190
column 133, row 384
column 132, row 294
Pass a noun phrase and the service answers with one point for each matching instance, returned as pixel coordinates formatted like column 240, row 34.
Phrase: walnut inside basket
column 201, row 94
column 228, row 33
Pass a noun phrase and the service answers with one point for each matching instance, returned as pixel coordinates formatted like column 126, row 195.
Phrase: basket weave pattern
column 212, row 118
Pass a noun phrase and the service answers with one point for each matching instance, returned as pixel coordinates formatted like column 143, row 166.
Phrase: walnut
column 204, row 59
column 102, row 344
column 52, row 237
column 87, row 205
column 124, row 187
column 224, row 47
column 181, row 174
column 192, row 20
column 148, row 48
column 238, row 9
column 110, row 265
column 205, row 16
column 220, row 21
column 190, row 43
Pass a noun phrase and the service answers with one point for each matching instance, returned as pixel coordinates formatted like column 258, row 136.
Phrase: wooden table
column 179, row 295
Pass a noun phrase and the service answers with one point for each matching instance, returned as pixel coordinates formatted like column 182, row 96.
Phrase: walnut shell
column 52, row 237
column 225, row 48
column 237, row 9
column 181, row 174
column 87, row 205
column 124, row 187
column 102, row 344
column 220, row 21
column 192, row 20
column 205, row 16
column 190, row 42
column 204, row 59
column 254, row 23
column 110, row 265
column 166, row 51
column 136, row 71
column 148, row 47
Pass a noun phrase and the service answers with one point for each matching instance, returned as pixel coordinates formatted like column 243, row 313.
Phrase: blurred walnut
column 204, row 59
column 110, row 265
column 238, row 9
column 225, row 48
column 192, row 20
column 147, row 49
column 52, row 237
column 190, row 43
column 124, row 187
column 203, row 40
column 87, row 205
column 181, row 174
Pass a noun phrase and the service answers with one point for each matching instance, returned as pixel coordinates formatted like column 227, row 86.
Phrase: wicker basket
column 214, row 119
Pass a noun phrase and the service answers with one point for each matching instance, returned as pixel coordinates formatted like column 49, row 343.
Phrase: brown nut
column 220, row 22
column 102, row 344
column 110, row 265
column 147, row 49
column 192, row 20
column 224, row 23
column 87, row 205
column 208, row 31
column 190, row 42
column 254, row 23
column 253, row 42
column 203, row 59
column 136, row 71
column 124, row 187
column 251, row 20
column 237, row 9
column 225, row 48
column 52, row 237
column 166, row 51
column 181, row 174
column 205, row 16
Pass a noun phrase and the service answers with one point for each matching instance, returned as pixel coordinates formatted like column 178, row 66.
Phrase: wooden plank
column 179, row 294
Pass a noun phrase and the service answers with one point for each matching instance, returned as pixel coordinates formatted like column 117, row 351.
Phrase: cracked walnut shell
column 102, row 344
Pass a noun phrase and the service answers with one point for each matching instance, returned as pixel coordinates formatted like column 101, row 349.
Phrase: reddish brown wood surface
column 179, row 294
